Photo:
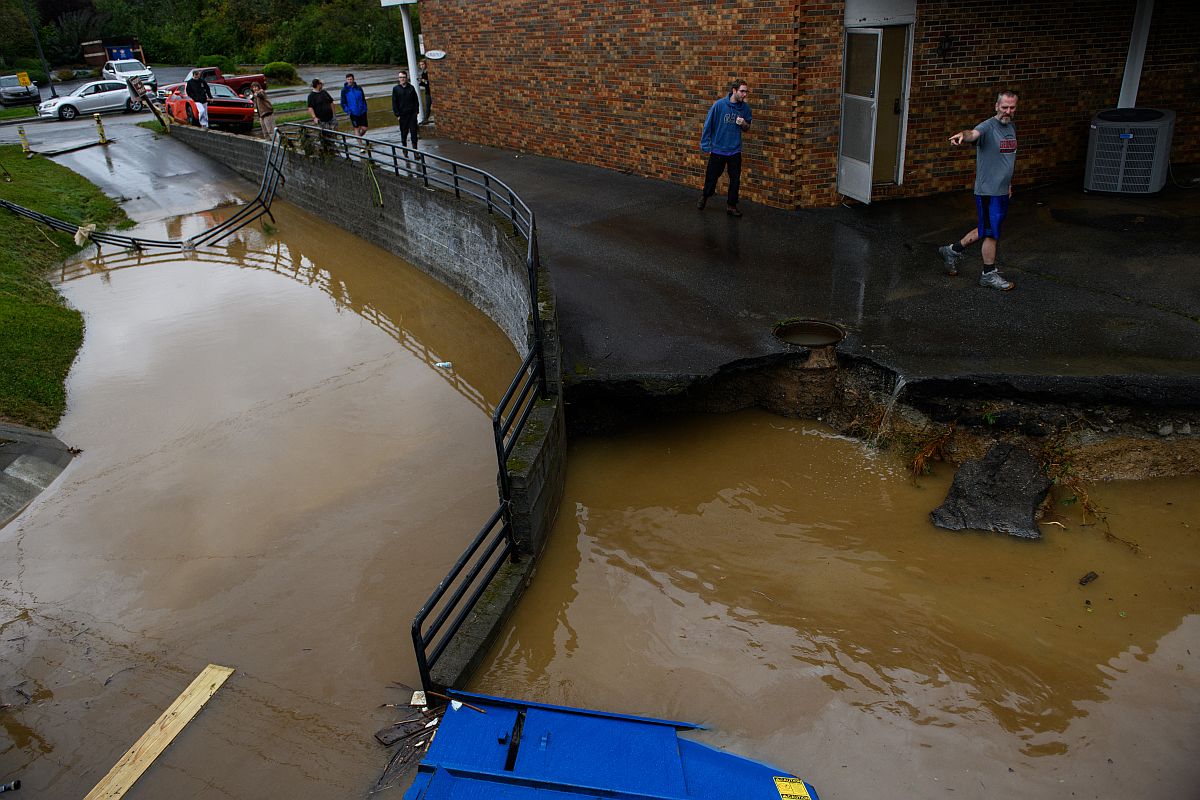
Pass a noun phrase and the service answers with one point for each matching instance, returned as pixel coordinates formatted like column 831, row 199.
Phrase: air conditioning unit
column 1129, row 150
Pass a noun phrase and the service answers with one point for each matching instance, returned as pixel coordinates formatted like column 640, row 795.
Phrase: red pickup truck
column 242, row 84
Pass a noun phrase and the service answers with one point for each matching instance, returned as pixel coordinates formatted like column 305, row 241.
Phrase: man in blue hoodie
column 354, row 103
column 722, row 140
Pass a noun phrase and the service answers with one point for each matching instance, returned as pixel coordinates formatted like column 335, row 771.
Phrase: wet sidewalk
column 1106, row 305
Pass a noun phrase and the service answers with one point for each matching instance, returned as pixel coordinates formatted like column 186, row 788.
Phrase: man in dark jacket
column 197, row 89
column 405, row 107
column 423, row 85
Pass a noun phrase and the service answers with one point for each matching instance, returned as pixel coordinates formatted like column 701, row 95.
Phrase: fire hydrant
column 100, row 128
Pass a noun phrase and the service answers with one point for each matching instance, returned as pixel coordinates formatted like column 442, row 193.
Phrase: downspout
column 1137, row 51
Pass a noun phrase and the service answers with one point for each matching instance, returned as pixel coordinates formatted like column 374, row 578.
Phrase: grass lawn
column 39, row 334
column 17, row 112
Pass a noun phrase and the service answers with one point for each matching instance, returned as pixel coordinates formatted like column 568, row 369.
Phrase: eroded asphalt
column 1106, row 304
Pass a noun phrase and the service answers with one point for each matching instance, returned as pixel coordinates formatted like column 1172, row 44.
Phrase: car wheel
column 248, row 91
column 68, row 112
column 134, row 104
column 191, row 116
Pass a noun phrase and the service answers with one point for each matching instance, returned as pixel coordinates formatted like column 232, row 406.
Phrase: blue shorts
column 992, row 210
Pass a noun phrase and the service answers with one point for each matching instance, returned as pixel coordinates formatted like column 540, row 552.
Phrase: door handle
column 896, row 106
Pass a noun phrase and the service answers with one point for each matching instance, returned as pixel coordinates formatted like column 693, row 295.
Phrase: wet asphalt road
column 374, row 80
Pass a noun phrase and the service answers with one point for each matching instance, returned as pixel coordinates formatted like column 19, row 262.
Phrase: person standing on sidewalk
column 423, row 85
column 266, row 111
column 320, row 107
column 354, row 103
column 198, row 90
column 405, row 107
column 722, row 140
column 995, row 141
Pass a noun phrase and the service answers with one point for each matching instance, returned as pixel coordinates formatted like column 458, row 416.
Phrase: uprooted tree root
column 932, row 448
column 1057, row 461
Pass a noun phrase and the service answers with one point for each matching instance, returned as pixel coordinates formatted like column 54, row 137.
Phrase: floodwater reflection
column 784, row 586
column 275, row 474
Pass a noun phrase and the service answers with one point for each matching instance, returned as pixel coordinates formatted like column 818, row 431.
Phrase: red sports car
column 225, row 109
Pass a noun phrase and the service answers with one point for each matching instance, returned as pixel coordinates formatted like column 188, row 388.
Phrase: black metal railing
column 436, row 172
column 452, row 602
column 456, row 595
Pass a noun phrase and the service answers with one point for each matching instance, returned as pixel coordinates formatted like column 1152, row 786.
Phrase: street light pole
column 38, row 41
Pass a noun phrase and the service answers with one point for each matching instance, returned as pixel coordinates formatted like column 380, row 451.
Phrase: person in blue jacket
column 354, row 103
column 722, row 140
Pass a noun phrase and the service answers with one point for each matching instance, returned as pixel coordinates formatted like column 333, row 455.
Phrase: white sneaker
column 993, row 280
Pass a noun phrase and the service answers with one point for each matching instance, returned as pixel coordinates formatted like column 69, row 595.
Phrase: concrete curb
column 30, row 460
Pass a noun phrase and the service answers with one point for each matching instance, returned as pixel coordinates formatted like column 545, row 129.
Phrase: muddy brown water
column 783, row 586
column 274, row 475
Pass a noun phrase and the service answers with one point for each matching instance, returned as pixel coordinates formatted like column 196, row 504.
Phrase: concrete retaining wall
column 478, row 256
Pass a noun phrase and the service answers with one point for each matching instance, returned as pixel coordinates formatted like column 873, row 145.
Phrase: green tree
column 16, row 39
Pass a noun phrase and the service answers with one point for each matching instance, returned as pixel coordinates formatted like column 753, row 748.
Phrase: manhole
column 809, row 333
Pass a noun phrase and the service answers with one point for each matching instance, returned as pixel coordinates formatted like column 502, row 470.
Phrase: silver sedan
column 89, row 98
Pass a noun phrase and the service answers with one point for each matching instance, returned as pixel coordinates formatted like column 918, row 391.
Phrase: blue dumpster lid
column 513, row 750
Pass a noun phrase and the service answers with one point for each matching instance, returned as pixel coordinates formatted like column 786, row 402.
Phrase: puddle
column 784, row 586
column 274, row 476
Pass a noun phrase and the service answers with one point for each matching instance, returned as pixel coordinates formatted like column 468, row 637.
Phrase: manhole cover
column 809, row 333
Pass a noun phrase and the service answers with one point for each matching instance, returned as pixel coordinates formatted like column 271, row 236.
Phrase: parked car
column 91, row 97
column 241, row 84
column 126, row 68
column 226, row 109
column 12, row 93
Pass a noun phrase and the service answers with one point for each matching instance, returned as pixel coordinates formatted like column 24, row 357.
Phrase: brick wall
column 625, row 85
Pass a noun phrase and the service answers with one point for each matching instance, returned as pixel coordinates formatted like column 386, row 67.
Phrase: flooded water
column 274, row 475
column 783, row 586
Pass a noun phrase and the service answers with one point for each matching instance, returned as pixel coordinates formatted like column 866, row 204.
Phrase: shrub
column 223, row 63
column 33, row 67
column 281, row 72
column 65, row 74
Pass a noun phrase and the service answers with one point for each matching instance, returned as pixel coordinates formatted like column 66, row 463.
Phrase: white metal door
column 860, row 105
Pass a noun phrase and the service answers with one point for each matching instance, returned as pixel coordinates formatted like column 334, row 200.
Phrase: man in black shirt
column 405, row 107
column 320, row 106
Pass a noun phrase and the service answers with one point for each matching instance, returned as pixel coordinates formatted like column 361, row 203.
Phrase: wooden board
column 138, row 758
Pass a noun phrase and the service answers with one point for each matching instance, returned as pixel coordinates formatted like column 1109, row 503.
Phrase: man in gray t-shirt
column 995, row 141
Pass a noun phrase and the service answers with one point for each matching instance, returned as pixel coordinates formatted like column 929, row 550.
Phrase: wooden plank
column 138, row 758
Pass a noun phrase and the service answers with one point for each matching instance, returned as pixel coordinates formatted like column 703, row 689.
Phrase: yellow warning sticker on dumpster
column 791, row 789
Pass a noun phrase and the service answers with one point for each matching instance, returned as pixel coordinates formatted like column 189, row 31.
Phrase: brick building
column 625, row 84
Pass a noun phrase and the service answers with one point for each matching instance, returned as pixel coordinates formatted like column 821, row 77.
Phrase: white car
column 126, row 68
column 91, row 97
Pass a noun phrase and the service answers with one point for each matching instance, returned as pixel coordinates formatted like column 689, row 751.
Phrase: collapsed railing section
column 260, row 205
column 451, row 604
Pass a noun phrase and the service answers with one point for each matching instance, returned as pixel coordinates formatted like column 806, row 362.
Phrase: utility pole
column 38, row 41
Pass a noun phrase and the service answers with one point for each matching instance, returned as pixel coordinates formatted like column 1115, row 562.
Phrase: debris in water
column 444, row 364
column 1086, row 579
